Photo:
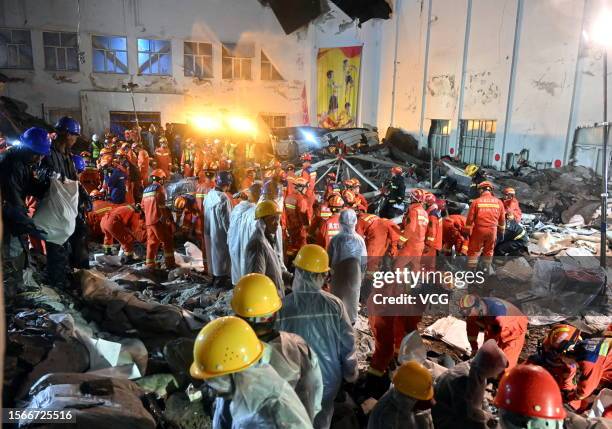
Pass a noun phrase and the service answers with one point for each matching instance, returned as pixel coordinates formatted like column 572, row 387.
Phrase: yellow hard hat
column 312, row 258
column 224, row 346
column 255, row 295
column 414, row 380
column 471, row 169
column 266, row 208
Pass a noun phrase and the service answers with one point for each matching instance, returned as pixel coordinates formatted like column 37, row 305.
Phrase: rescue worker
column 454, row 235
column 347, row 253
column 310, row 175
column 117, row 181
column 200, row 160
column 249, row 178
column 460, row 391
column 142, row 163
column 237, row 228
column 332, row 187
column 261, row 255
column 414, row 230
column 188, row 158
column 18, row 181
column 412, row 392
column 90, row 177
column 100, row 207
column 256, row 300
column 296, row 215
column 511, row 204
column 163, row 156
column 478, row 176
column 290, row 178
column 321, row 319
column 126, row 225
column 331, row 227
column 227, row 357
column 217, row 209
column 485, row 220
column 354, row 186
column 186, row 215
column 74, row 252
column 528, row 397
column 158, row 220
column 433, row 235
column 499, row 320
column 96, row 147
column 559, row 339
column 321, row 213
column 395, row 190
column 514, row 241
column 379, row 235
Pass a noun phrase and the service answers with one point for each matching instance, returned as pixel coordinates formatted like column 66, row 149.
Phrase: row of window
column 110, row 55
column 476, row 140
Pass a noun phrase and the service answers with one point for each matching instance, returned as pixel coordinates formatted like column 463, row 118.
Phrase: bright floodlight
column 206, row 123
column 242, row 125
column 601, row 31
column 309, row 137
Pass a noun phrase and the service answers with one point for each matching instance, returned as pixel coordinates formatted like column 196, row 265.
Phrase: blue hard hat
column 37, row 140
column 224, row 178
column 69, row 125
column 79, row 163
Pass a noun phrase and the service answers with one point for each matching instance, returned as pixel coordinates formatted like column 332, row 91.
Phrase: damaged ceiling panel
column 294, row 14
column 364, row 10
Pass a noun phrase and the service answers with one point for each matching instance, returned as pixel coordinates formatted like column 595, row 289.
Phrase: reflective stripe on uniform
column 290, row 206
column 521, row 235
column 487, row 205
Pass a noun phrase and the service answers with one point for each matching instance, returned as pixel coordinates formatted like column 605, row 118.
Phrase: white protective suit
column 321, row 319
column 263, row 400
column 297, row 364
column 395, row 411
column 247, row 227
column 347, row 254
column 261, row 257
column 235, row 237
column 217, row 209
column 460, row 391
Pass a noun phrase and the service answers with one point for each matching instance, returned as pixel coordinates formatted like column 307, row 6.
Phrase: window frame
column 484, row 131
column 271, row 118
column 150, row 53
column 273, row 68
column 60, row 47
column 17, row 46
column 194, row 58
column 236, row 61
column 127, row 54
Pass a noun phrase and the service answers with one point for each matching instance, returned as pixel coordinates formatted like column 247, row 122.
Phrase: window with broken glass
column 154, row 57
column 198, row 59
column 15, row 49
column 61, row 51
column 268, row 71
column 236, row 61
column 477, row 142
column 439, row 133
column 109, row 54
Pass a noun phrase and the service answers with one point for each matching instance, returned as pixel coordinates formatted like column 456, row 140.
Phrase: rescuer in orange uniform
column 331, row 227
column 90, row 177
column 296, row 215
column 188, row 159
column 187, row 215
column 499, row 320
column 453, row 235
column 290, row 178
column 310, row 175
column 163, row 157
column 379, row 235
column 511, row 204
column 321, row 213
column 249, row 179
column 414, row 229
column 433, row 235
column 100, row 207
column 142, row 163
column 158, row 220
column 126, row 225
column 486, row 219
column 355, row 186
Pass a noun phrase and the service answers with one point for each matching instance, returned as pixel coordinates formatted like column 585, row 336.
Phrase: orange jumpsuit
column 433, row 238
column 296, row 215
column 594, row 362
column 414, row 225
column 94, row 217
column 90, row 178
column 361, row 200
column 452, row 235
column 143, row 166
column 163, row 158
column 504, row 323
column 377, row 236
column 512, row 206
column 321, row 214
column 125, row 225
column 485, row 219
column 328, row 230
column 159, row 227
column 311, row 176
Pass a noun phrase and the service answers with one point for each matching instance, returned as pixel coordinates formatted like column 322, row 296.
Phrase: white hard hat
column 94, row 137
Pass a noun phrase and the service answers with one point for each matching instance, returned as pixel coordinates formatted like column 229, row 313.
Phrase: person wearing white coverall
column 217, row 209
column 347, row 253
column 460, row 391
column 260, row 254
column 236, row 234
column 321, row 319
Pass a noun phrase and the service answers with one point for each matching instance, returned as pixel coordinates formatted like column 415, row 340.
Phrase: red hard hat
column 348, row 196
column 441, row 204
column 335, row 201
column 429, row 198
column 300, row 181
column 530, row 390
column 509, row 190
column 418, row 195
column 396, row 170
column 159, row 173
column 485, row 184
